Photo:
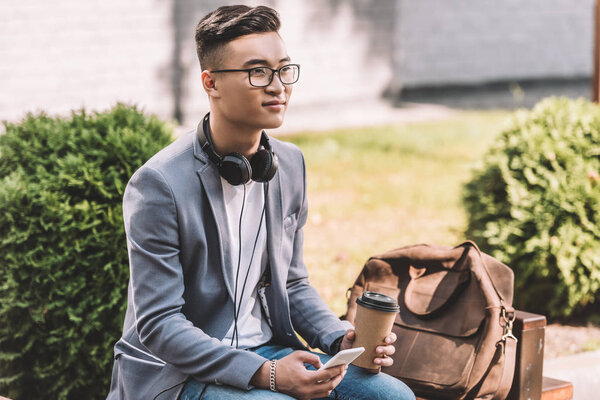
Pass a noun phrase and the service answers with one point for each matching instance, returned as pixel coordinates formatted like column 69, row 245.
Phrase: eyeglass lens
column 262, row 76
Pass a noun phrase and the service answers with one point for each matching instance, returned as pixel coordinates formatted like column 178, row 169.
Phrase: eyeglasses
column 263, row 76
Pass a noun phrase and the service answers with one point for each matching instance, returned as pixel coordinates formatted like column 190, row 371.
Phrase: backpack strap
column 510, row 358
column 508, row 340
column 472, row 244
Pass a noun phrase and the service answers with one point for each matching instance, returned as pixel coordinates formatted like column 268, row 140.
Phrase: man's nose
column 276, row 86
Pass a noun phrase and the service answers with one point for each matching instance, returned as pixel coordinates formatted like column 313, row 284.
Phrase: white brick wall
column 63, row 54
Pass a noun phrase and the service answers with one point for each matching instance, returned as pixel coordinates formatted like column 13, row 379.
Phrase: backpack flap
column 431, row 289
column 439, row 291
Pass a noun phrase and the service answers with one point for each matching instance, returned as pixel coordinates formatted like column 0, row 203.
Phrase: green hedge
column 535, row 204
column 64, row 271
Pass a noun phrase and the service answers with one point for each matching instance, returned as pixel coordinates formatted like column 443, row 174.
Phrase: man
column 218, row 288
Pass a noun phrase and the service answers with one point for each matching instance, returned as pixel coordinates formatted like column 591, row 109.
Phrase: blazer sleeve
column 157, row 287
column 311, row 316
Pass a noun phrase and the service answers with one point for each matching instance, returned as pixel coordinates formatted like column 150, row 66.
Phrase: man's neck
column 228, row 138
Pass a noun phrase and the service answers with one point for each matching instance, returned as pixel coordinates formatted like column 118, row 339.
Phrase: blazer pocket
column 136, row 372
column 290, row 222
column 140, row 378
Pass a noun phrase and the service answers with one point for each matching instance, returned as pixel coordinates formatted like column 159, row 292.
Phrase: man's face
column 240, row 103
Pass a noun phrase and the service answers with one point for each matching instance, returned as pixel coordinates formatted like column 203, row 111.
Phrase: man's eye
column 258, row 72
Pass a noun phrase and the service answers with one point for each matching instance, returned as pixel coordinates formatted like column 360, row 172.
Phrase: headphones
column 234, row 167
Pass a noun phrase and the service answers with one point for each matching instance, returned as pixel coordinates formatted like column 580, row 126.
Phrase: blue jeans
column 357, row 384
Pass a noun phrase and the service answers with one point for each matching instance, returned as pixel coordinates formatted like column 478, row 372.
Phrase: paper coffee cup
column 374, row 320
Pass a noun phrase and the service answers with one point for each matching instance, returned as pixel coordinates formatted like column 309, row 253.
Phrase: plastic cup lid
column 378, row 301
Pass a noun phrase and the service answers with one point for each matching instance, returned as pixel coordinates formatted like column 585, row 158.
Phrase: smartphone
column 343, row 357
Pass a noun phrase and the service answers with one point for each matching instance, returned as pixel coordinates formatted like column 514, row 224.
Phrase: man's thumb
column 307, row 357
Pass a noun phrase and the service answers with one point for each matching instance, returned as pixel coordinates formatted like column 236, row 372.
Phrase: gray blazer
column 180, row 304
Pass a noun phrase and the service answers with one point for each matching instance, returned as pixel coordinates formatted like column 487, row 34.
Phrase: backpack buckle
column 508, row 318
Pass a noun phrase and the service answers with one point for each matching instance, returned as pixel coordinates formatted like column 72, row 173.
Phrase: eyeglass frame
column 278, row 70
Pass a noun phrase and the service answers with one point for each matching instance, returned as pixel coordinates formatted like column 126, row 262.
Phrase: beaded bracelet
column 272, row 376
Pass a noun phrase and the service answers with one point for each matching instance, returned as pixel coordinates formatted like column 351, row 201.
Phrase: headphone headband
column 206, row 141
column 234, row 167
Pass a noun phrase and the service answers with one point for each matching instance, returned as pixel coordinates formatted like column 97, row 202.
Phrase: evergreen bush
column 535, row 205
column 64, row 268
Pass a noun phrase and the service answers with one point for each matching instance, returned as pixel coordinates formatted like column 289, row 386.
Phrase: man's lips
column 274, row 103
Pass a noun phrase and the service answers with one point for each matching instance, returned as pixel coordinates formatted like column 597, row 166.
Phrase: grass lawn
column 375, row 189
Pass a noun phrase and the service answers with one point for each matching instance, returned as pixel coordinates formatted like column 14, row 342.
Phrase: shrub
column 64, row 270
column 535, row 205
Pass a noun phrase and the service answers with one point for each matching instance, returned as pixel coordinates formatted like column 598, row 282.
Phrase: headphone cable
column 234, row 334
column 262, row 215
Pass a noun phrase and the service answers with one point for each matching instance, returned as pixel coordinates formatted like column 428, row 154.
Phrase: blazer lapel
column 211, row 182
column 274, row 215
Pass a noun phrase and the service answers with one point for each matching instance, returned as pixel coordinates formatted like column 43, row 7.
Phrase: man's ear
column 209, row 84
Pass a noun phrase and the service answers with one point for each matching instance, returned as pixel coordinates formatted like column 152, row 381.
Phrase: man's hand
column 292, row 377
column 384, row 352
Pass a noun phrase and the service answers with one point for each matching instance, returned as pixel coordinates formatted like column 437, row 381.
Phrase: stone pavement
column 582, row 370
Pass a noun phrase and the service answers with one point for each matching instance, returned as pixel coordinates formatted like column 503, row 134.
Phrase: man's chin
column 273, row 123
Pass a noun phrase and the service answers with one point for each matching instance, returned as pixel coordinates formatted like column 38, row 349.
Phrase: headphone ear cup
column 235, row 168
column 264, row 165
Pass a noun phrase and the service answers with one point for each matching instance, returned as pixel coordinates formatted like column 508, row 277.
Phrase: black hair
column 226, row 23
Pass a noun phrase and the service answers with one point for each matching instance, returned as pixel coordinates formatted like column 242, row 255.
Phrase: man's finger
column 391, row 338
column 307, row 357
column 349, row 337
column 384, row 361
column 324, row 388
column 386, row 350
column 329, row 373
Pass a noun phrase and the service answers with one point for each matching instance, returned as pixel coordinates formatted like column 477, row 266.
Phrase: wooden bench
column 529, row 382
column 555, row 389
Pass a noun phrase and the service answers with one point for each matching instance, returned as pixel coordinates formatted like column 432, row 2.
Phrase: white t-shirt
column 252, row 327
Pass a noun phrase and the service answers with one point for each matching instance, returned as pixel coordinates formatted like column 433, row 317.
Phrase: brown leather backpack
column 454, row 326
